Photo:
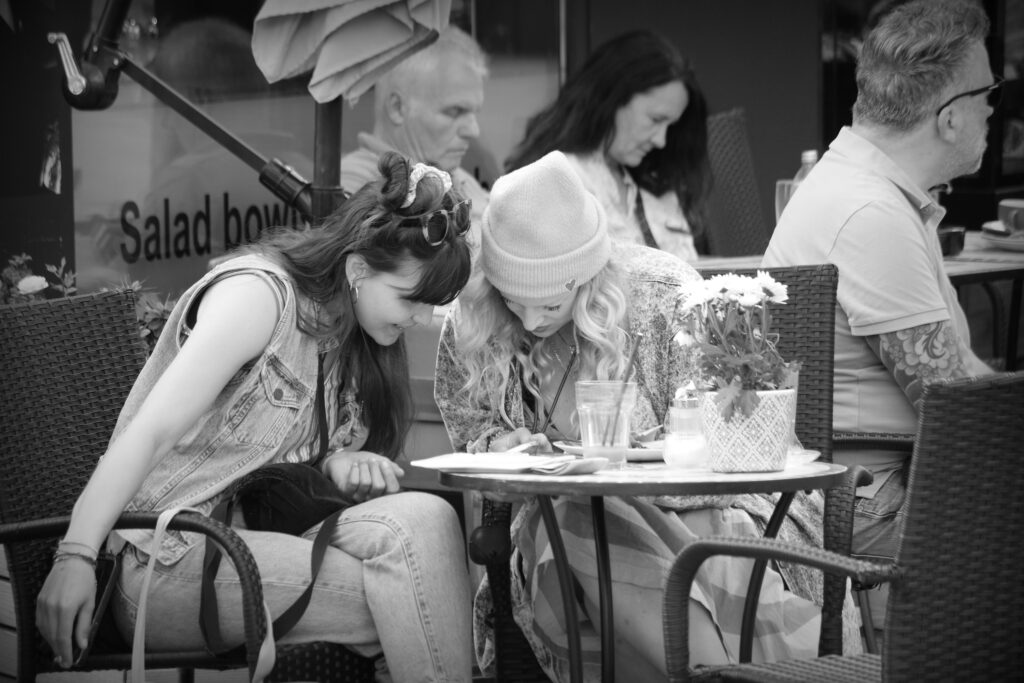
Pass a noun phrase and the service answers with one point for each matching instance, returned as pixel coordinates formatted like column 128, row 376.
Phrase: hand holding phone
column 108, row 569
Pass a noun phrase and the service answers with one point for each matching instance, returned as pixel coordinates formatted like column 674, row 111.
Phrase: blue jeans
column 876, row 521
column 394, row 581
column 876, row 534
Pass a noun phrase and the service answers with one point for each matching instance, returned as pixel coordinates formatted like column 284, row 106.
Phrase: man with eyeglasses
column 925, row 93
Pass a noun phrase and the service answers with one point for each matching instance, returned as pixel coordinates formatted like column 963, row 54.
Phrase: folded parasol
column 347, row 44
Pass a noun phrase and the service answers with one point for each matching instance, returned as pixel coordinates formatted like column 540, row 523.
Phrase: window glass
column 156, row 198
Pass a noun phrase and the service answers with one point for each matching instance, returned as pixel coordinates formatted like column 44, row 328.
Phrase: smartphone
column 108, row 569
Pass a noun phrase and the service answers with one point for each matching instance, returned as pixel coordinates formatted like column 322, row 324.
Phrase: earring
column 355, row 293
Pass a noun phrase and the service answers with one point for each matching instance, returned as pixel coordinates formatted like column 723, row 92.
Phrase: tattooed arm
column 918, row 355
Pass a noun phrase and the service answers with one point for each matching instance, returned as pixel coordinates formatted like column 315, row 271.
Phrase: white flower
column 695, row 293
column 776, row 291
column 32, row 284
column 726, row 320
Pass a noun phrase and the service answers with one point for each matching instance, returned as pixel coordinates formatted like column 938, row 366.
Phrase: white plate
column 512, row 463
column 652, row 453
column 797, row 456
column 1009, row 243
column 485, row 462
column 995, row 228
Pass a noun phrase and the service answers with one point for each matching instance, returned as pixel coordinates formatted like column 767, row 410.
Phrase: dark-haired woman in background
column 632, row 121
column 231, row 386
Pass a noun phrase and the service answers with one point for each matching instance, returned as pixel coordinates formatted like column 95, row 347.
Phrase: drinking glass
column 605, row 408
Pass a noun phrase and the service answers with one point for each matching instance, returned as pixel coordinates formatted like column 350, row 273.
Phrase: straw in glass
column 609, row 431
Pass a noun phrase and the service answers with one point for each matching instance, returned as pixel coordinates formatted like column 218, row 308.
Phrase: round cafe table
column 643, row 480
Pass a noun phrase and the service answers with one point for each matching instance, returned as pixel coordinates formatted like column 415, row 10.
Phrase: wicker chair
column 805, row 326
column 737, row 220
column 956, row 601
column 66, row 366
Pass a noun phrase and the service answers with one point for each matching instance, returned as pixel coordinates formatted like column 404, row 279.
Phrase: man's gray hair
column 912, row 56
column 453, row 43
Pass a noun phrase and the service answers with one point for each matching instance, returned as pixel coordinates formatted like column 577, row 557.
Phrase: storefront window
column 156, row 198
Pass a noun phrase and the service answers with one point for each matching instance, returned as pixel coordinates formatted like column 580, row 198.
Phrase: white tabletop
column 650, row 479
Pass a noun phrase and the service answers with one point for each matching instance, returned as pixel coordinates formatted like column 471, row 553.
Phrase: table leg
column 572, row 624
column 1014, row 323
column 604, row 582
column 757, row 576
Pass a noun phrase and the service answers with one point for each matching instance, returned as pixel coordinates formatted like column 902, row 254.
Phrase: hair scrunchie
column 420, row 171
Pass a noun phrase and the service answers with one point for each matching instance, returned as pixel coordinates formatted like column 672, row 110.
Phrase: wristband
column 64, row 555
column 75, row 546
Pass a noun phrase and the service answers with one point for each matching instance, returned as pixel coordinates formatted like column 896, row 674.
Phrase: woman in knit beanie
column 552, row 299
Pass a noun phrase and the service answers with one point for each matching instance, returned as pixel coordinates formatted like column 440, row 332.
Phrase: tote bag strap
column 265, row 660
column 209, row 613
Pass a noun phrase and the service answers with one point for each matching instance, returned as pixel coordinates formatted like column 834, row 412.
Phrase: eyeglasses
column 994, row 93
column 437, row 223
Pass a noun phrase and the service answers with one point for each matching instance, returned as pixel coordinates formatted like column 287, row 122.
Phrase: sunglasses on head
column 436, row 224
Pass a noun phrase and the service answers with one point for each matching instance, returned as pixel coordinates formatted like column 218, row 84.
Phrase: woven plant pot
column 754, row 443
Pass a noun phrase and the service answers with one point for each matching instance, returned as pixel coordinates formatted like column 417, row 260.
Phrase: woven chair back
column 66, row 366
column 737, row 220
column 956, row 611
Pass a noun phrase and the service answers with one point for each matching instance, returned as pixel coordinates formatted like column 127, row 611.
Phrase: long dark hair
column 582, row 118
column 373, row 224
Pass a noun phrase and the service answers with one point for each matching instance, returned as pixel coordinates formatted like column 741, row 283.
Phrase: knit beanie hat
column 543, row 233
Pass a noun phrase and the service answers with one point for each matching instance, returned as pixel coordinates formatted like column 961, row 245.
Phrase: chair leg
column 866, row 622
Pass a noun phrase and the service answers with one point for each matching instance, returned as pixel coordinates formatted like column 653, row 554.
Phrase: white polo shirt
column 858, row 210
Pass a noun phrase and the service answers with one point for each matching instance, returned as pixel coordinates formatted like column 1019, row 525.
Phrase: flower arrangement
column 727, row 330
column 152, row 312
column 19, row 283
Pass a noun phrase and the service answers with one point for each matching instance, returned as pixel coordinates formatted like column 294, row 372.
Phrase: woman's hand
column 511, row 440
column 362, row 475
column 520, row 436
column 65, row 606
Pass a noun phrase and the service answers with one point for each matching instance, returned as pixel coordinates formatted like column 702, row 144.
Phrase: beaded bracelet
column 84, row 548
column 62, row 555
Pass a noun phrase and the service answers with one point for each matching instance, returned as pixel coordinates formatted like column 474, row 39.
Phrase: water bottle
column 808, row 158
column 685, row 445
column 785, row 188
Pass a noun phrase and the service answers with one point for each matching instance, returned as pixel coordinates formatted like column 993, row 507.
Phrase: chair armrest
column 858, row 476
column 882, row 440
column 675, row 609
column 231, row 543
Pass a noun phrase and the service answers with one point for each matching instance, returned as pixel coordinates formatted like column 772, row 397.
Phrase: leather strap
column 321, row 407
column 209, row 614
column 641, row 219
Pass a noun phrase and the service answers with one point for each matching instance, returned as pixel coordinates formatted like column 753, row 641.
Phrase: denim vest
column 267, row 408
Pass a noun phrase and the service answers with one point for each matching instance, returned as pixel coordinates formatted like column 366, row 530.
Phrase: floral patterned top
column 654, row 278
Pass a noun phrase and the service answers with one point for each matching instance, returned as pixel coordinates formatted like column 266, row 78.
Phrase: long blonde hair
column 491, row 340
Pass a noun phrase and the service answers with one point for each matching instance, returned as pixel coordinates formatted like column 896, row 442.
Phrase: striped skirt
column 643, row 540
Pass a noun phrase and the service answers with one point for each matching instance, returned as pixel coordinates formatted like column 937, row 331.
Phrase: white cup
column 1011, row 214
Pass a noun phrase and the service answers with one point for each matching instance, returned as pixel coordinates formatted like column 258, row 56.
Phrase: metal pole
column 327, row 192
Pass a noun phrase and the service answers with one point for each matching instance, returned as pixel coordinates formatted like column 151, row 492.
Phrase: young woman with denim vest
column 231, row 385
